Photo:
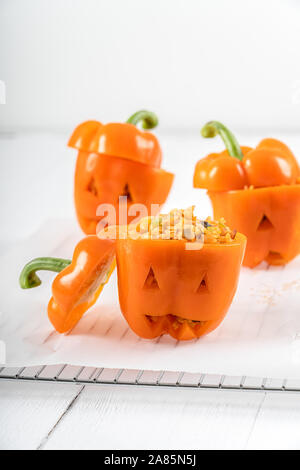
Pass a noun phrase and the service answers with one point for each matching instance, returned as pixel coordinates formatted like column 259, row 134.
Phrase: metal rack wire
column 91, row 375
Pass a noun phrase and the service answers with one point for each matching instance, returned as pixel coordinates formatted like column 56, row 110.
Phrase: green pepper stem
column 28, row 277
column 149, row 119
column 213, row 128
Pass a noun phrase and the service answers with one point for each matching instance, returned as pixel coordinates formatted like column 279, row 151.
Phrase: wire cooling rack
column 90, row 375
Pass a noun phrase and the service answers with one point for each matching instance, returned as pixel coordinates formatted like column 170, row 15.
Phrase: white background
column 65, row 61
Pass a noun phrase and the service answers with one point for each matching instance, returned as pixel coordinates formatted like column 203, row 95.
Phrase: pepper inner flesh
column 97, row 278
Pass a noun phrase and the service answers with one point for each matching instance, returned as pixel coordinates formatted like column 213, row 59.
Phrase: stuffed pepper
column 177, row 275
column 117, row 165
column 257, row 191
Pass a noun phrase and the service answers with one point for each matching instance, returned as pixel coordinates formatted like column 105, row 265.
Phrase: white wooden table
column 58, row 416
column 66, row 416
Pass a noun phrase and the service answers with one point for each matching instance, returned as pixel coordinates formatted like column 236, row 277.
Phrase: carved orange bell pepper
column 114, row 160
column 257, row 192
column 177, row 274
column 79, row 282
column 166, row 289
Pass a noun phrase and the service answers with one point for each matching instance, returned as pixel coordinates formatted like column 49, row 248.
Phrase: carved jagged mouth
column 274, row 257
column 174, row 321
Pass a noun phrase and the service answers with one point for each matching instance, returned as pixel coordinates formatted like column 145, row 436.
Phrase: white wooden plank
column 29, row 410
column 185, row 418
column 278, row 422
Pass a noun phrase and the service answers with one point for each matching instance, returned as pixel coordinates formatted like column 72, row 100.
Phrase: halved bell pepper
column 79, row 282
column 117, row 159
column 257, row 191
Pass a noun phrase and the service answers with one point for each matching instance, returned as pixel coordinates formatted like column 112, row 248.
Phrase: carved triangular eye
column 265, row 224
column 151, row 282
column 126, row 192
column 92, row 187
column 202, row 288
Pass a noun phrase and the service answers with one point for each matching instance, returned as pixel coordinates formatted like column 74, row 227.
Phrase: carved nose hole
column 202, row 288
column 127, row 193
column 151, row 281
column 265, row 224
column 92, row 187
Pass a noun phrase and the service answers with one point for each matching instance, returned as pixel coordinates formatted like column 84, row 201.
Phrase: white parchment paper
column 259, row 337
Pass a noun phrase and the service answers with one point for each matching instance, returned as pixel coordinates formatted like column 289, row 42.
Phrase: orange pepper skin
column 269, row 167
column 178, row 289
column 115, row 159
column 117, row 139
column 269, row 217
column 274, row 144
column 77, row 287
column 271, row 163
column 220, row 172
column 101, row 179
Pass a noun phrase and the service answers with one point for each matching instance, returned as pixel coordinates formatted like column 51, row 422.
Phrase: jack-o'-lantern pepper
column 257, row 191
column 115, row 160
column 179, row 280
column 177, row 275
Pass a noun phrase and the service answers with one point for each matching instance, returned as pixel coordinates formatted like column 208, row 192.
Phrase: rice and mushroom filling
column 178, row 224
